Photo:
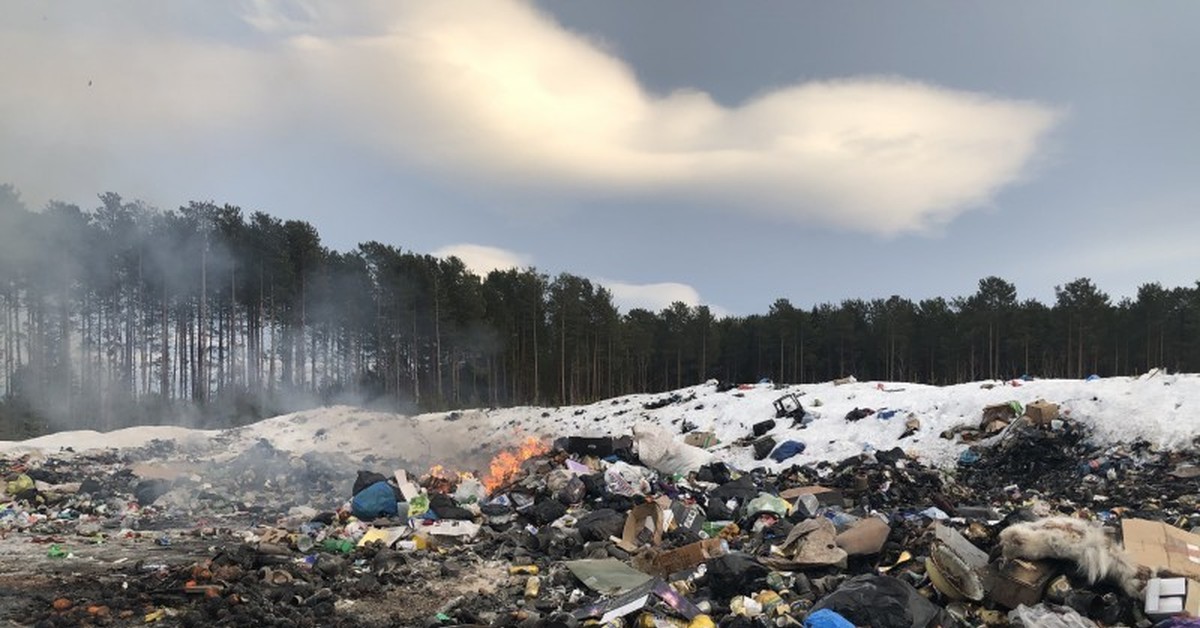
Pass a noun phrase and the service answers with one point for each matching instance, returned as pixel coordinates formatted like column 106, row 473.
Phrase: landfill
column 1038, row 518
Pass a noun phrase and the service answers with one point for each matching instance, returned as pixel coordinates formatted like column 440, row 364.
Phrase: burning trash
column 639, row 529
column 507, row 464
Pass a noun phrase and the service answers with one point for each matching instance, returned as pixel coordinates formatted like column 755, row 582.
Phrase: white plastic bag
column 659, row 450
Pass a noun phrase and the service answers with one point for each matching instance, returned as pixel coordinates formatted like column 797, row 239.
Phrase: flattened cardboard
column 1156, row 545
column 827, row 496
column 408, row 489
column 388, row 536
column 452, row 528
column 618, row 606
column 636, row 599
column 607, row 576
column 1167, row 597
column 703, row 440
column 686, row 557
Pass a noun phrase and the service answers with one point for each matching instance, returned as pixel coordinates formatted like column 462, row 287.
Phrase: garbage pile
column 1034, row 526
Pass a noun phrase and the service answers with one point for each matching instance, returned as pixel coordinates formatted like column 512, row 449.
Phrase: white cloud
column 654, row 297
column 497, row 93
column 482, row 260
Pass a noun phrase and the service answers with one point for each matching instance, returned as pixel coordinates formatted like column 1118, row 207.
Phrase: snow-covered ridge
column 1160, row 408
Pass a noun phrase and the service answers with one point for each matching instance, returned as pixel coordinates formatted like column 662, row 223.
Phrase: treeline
column 123, row 314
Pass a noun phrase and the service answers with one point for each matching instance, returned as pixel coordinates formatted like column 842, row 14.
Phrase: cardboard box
column 643, row 526
column 1167, row 597
column 1014, row 582
column 1156, row 545
column 1041, row 412
column 686, row 557
column 998, row 412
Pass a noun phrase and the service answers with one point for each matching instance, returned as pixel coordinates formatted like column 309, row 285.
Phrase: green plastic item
column 418, row 505
column 56, row 551
column 767, row 503
column 343, row 546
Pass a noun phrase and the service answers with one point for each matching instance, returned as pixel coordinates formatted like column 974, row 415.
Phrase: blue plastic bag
column 787, row 449
column 826, row 618
column 377, row 500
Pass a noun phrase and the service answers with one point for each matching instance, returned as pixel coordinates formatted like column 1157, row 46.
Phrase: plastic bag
column 625, row 479
column 377, row 500
column 1048, row 616
column 659, row 450
column 883, row 602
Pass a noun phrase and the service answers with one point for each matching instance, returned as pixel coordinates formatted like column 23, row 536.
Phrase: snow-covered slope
column 1161, row 408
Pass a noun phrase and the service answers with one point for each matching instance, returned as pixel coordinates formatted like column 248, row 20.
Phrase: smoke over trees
column 122, row 314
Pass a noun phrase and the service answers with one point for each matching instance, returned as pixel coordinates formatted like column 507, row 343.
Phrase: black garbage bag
column 365, row 479
column 90, row 486
column 598, row 525
column 859, row 414
column 594, row 485
column 763, row 447
column 600, row 447
column 735, row 574
column 891, row 456
column 717, row 473
column 445, row 507
column 762, row 427
column 619, row 503
column 719, row 511
column 741, row 489
column 148, row 491
column 573, row 492
column 884, row 602
column 547, row 510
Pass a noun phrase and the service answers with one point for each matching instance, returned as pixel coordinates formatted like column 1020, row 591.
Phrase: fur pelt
column 1084, row 543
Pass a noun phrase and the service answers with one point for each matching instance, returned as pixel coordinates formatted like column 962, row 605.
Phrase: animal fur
column 1096, row 556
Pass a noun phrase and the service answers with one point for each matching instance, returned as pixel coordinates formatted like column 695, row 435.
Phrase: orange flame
column 507, row 463
column 440, row 479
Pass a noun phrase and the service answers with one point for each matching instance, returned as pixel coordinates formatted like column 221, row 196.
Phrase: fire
column 439, row 479
column 507, row 463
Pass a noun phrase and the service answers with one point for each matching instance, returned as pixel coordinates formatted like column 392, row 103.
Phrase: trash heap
column 1034, row 526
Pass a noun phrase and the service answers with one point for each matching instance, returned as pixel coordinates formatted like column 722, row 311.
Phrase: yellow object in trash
column 19, row 485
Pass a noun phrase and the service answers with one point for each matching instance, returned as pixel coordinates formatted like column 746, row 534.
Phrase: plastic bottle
column 304, row 543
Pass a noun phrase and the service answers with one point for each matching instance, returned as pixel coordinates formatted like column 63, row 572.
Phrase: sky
column 707, row 152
